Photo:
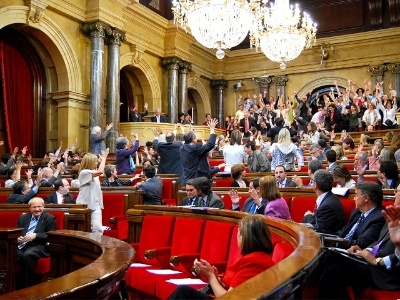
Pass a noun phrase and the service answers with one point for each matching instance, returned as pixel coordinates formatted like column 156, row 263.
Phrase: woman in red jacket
column 255, row 245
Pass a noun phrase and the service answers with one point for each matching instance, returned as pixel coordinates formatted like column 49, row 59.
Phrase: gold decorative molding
column 394, row 68
column 137, row 54
column 36, row 10
column 280, row 80
column 377, row 70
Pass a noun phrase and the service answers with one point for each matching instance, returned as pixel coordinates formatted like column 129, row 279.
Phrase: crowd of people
column 265, row 135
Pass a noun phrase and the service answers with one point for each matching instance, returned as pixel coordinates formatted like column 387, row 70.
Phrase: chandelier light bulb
column 220, row 54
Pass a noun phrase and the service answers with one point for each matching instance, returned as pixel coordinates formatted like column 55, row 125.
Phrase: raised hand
column 109, row 126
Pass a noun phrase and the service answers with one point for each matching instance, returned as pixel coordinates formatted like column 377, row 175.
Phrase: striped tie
column 31, row 228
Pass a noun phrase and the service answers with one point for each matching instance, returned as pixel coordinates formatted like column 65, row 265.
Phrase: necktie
column 246, row 125
column 375, row 249
column 191, row 202
column 31, row 228
column 354, row 228
column 253, row 208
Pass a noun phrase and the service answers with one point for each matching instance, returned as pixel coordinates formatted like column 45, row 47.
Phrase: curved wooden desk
column 145, row 130
column 86, row 266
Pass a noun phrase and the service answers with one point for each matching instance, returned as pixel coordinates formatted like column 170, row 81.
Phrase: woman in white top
column 371, row 116
column 312, row 135
column 388, row 111
column 343, row 177
column 90, row 190
column 233, row 152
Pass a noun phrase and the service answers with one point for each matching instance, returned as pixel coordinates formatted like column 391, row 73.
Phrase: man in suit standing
column 366, row 220
column 61, row 195
column 193, row 156
column 206, row 197
column 158, row 118
column 169, row 155
column 31, row 243
column 328, row 216
column 136, row 116
column 382, row 268
column 152, row 187
column 208, row 119
column 281, row 178
column 250, row 205
column 246, row 124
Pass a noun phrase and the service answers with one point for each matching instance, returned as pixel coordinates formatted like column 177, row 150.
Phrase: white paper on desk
column 164, row 272
column 185, row 281
column 340, row 191
column 139, row 265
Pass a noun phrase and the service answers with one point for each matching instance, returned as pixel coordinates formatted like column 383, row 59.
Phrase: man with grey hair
column 328, row 216
column 158, row 118
column 313, row 166
column 316, row 153
column 96, row 139
column 361, row 164
column 193, row 156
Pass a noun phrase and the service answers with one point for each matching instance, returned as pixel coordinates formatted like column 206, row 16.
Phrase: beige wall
column 55, row 29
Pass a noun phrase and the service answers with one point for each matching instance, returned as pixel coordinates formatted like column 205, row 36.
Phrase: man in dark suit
column 192, row 194
column 331, row 159
column 328, row 216
column 31, row 243
column 169, row 155
column 206, row 197
column 152, row 187
column 281, row 177
column 158, row 118
column 250, row 205
column 136, row 116
column 193, row 156
column 366, row 220
column 382, row 267
column 61, row 195
column 208, row 119
column 388, row 175
column 251, row 122
column 273, row 132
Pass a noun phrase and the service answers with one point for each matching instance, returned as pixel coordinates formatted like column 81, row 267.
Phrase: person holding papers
column 255, row 245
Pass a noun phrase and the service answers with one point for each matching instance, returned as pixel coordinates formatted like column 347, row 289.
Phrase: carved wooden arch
column 146, row 76
column 56, row 44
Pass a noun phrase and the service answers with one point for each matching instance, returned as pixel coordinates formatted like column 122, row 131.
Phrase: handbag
column 388, row 122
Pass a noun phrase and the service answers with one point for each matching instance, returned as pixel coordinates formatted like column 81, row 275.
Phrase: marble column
column 219, row 86
column 172, row 65
column 97, row 31
column 113, row 84
column 280, row 83
column 395, row 69
column 184, row 69
column 377, row 74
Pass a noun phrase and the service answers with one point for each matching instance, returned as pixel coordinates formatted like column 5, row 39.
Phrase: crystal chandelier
column 216, row 24
column 282, row 32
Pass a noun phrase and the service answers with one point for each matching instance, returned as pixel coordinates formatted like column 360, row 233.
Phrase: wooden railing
column 87, row 266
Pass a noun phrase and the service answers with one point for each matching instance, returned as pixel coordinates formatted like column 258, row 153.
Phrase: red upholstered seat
column 375, row 294
column 226, row 198
column 214, row 249
column 114, row 208
column 300, row 205
column 282, row 250
column 10, row 218
column 186, row 240
column 168, row 192
column 348, row 206
column 223, row 182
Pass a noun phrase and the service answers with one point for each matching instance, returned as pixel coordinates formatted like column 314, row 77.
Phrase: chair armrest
column 149, row 254
column 116, row 219
column 183, row 259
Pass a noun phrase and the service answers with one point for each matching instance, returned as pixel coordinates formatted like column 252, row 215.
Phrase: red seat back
column 9, row 218
column 168, row 191
column 223, row 182
column 114, row 205
column 60, row 219
column 234, row 250
column 300, row 205
column 348, row 206
column 3, row 197
column 282, row 249
column 156, row 233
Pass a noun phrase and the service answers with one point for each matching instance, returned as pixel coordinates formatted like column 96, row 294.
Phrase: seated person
column 206, row 197
column 112, row 177
column 388, row 175
column 328, row 217
column 256, row 205
column 61, row 195
column 366, row 220
column 191, row 193
column 331, row 159
column 276, row 205
column 255, row 245
column 13, row 175
column 23, row 192
column 237, row 173
column 33, row 239
column 382, row 268
column 316, row 153
column 152, row 187
column 313, row 166
column 343, row 177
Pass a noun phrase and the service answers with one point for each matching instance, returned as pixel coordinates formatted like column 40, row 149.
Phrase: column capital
column 263, row 81
column 97, row 29
column 394, row 68
column 280, row 80
column 185, row 67
column 219, row 84
column 36, row 10
column 115, row 37
column 171, row 63
column 377, row 70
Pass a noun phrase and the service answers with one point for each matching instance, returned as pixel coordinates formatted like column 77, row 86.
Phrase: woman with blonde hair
column 339, row 152
column 276, row 205
column 284, row 152
column 90, row 190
